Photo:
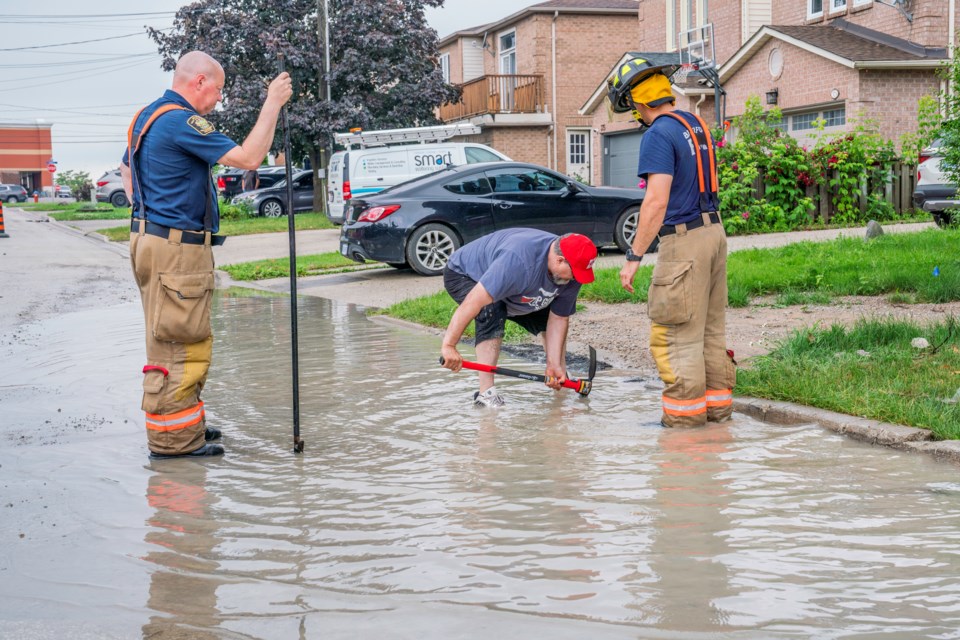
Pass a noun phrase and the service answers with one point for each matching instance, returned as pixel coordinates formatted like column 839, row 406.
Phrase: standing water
column 412, row 514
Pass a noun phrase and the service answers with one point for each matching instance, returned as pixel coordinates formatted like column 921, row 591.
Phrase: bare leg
column 488, row 352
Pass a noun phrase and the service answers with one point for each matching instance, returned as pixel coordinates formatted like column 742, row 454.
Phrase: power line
column 107, row 67
column 75, row 77
column 81, row 16
column 64, row 44
column 41, row 65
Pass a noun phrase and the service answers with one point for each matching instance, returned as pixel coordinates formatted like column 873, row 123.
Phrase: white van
column 366, row 170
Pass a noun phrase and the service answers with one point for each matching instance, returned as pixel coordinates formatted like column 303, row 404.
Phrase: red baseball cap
column 580, row 253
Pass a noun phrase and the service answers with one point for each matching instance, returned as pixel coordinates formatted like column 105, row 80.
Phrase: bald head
column 199, row 78
column 193, row 64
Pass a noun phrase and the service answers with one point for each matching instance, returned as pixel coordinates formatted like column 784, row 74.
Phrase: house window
column 445, row 66
column 835, row 117
column 815, row 8
column 508, row 53
column 804, row 121
column 577, row 148
column 838, row 6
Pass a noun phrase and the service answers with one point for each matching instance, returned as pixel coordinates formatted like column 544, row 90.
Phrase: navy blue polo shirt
column 173, row 165
column 667, row 148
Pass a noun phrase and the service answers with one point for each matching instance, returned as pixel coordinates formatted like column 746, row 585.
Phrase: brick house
column 25, row 150
column 525, row 77
column 839, row 60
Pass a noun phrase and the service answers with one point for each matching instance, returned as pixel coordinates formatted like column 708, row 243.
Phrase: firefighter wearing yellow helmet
column 688, row 292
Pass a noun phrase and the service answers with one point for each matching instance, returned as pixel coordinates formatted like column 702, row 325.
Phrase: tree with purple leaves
column 384, row 68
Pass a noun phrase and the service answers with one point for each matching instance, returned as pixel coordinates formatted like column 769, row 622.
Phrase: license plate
column 343, row 248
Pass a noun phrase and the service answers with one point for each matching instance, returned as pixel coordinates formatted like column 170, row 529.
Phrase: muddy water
column 413, row 515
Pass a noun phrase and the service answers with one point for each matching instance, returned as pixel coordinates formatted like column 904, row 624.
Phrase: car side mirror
column 573, row 188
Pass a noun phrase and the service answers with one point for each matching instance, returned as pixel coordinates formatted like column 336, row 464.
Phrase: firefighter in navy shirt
column 688, row 291
column 166, row 172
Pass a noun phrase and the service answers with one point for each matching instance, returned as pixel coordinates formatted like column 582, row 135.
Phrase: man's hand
column 555, row 377
column 280, row 89
column 627, row 274
column 451, row 358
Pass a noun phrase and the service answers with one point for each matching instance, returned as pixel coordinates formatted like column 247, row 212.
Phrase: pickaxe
column 583, row 387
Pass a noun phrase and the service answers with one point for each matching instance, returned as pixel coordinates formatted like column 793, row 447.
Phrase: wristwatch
column 632, row 257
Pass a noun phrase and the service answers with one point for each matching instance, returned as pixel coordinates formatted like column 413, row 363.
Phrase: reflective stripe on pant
column 175, row 283
column 687, row 309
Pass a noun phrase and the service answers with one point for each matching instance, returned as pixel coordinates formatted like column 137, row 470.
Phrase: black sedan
column 420, row 223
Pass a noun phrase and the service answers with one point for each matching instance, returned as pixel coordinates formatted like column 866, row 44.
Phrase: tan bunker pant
column 176, row 283
column 687, row 308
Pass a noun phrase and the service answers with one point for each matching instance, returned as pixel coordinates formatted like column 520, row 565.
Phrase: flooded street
column 412, row 514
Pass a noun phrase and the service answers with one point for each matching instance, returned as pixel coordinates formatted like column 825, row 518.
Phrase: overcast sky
column 89, row 91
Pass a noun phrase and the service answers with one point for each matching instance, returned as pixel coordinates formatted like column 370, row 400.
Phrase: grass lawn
column 244, row 226
column 67, row 211
column 869, row 370
column 280, row 267
column 902, row 265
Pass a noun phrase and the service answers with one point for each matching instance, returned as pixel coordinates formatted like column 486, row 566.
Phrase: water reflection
column 693, row 498
column 182, row 534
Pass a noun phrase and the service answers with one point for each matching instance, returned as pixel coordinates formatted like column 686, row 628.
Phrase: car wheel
column 13, row 199
column 271, row 208
column 942, row 219
column 430, row 247
column 626, row 229
column 119, row 200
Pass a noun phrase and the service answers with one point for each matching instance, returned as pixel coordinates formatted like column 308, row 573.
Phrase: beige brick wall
column 523, row 144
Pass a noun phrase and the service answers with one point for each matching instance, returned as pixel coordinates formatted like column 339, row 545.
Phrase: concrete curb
column 863, row 429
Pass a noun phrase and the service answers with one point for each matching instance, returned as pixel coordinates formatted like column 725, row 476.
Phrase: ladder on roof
column 384, row 137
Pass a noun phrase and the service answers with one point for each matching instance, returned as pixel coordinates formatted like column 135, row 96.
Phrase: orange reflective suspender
column 134, row 145
column 703, row 139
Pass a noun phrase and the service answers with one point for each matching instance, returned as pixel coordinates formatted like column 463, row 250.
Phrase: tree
column 79, row 183
column 383, row 57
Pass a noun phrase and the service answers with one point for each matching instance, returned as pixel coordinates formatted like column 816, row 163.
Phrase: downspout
column 951, row 34
column 696, row 108
column 553, row 42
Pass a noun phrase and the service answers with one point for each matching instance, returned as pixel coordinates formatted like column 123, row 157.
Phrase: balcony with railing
column 497, row 94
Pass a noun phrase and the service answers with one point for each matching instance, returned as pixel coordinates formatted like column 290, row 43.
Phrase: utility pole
column 323, row 39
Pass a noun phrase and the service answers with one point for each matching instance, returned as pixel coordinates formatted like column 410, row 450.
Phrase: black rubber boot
column 211, row 434
column 204, row 451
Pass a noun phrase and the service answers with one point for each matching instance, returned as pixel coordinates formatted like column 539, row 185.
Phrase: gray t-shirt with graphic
column 512, row 266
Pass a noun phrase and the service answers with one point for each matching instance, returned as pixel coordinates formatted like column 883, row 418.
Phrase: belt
column 188, row 237
column 696, row 223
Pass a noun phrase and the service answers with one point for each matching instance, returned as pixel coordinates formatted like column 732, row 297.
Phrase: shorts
column 492, row 319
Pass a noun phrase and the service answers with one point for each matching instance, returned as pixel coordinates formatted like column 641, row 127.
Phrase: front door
column 578, row 154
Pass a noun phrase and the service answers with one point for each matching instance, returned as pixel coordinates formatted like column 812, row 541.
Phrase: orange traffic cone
column 3, row 234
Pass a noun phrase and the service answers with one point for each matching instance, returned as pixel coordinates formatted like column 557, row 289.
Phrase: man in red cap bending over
column 528, row 276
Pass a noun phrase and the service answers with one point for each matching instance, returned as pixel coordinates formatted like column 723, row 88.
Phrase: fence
column 896, row 186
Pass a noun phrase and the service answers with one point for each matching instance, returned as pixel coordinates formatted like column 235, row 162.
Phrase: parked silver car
column 110, row 189
column 12, row 193
column 934, row 192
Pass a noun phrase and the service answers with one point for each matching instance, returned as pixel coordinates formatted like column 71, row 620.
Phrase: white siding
column 756, row 13
column 472, row 58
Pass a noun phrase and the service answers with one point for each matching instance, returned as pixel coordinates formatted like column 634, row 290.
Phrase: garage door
column 620, row 154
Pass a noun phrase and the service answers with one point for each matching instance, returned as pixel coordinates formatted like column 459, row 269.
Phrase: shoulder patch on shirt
column 202, row 126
